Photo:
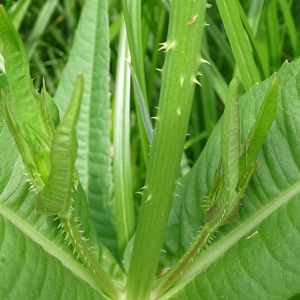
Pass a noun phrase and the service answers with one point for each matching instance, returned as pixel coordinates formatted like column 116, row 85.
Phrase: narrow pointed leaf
column 142, row 105
column 264, row 121
column 239, row 43
column 25, row 99
column 57, row 196
column 230, row 141
column 227, row 202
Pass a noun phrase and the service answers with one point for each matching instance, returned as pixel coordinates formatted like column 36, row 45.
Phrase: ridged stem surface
column 179, row 76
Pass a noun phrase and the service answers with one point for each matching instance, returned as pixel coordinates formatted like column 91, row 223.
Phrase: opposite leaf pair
column 221, row 202
column 51, row 171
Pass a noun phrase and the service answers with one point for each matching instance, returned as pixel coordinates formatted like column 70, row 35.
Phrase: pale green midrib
column 236, row 39
column 221, row 246
column 77, row 269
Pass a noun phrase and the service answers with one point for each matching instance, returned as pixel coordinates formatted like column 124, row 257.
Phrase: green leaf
column 24, row 149
column 267, row 261
column 17, row 71
column 40, row 26
column 17, row 12
column 38, row 274
column 28, row 107
column 230, row 149
column 239, row 43
column 260, row 129
column 37, row 117
column 57, row 196
column 90, row 56
column 32, row 246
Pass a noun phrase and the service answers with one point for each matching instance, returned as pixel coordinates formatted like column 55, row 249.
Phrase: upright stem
column 178, row 83
column 239, row 43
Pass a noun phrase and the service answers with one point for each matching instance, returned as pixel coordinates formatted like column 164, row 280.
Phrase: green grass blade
column 40, row 26
column 57, row 196
column 90, row 56
column 255, row 14
column 39, row 64
column 220, row 40
column 215, row 77
column 115, row 27
column 208, row 98
column 239, row 44
column 274, row 43
column 291, row 26
column 136, row 29
column 142, row 105
column 18, row 11
column 135, row 46
column 2, row 67
column 125, row 218
column 256, row 53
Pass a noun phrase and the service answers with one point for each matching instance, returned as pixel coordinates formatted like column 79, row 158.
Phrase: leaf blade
column 272, row 196
column 57, row 196
column 90, row 56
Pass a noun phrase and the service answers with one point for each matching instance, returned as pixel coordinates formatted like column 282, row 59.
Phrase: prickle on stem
column 193, row 19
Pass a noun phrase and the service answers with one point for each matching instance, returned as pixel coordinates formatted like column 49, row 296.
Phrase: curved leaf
column 57, row 196
column 32, row 246
column 260, row 249
column 26, row 106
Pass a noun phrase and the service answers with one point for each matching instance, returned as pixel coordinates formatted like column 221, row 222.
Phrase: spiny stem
column 85, row 254
column 183, row 58
column 171, row 277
